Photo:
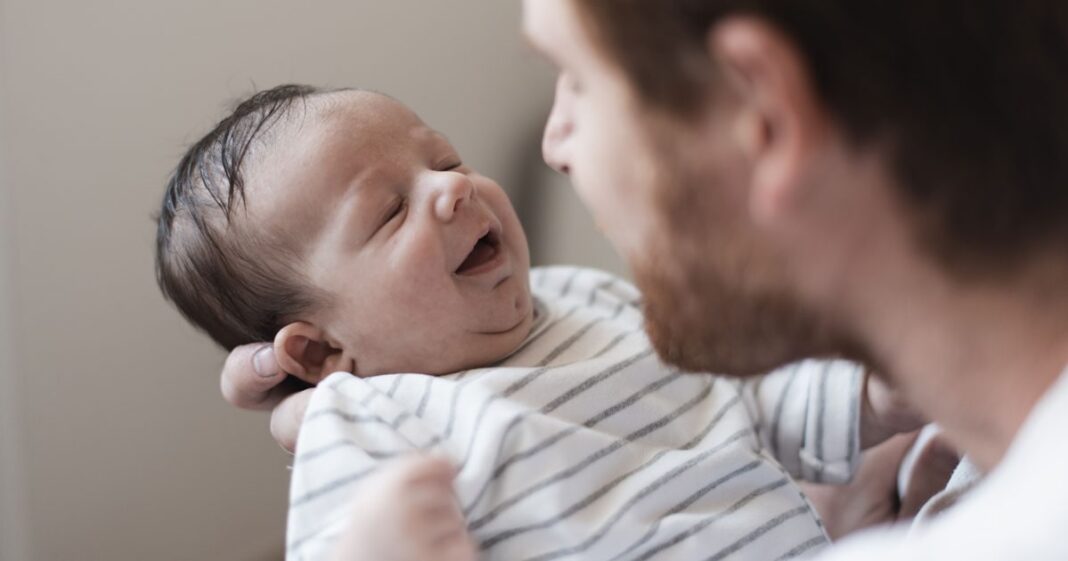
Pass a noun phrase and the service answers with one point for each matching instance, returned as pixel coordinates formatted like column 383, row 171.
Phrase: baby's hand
column 885, row 412
column 407, row 512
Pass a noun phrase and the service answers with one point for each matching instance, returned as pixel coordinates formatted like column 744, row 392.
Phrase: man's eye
column 451, row 166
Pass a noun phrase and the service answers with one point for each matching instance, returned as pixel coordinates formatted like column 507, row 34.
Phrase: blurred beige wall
column 12, row 529
column 122, row 448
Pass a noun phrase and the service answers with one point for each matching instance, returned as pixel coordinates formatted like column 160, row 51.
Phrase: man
column 884, row 181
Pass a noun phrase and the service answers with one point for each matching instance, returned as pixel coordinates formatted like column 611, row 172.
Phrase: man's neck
column 975, row 359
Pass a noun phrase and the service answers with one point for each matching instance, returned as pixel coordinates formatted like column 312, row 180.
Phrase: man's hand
column 873, row 496
column 252, row 379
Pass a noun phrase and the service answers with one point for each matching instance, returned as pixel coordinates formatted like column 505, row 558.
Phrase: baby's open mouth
column 486, row 249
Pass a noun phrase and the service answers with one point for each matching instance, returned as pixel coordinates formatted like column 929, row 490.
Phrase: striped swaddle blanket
column 583, row 445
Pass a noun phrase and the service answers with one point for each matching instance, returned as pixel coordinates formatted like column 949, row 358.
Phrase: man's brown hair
column 970, row 97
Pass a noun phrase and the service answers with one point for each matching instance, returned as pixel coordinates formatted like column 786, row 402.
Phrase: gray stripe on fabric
column 426, row 396
column 520, row 384
column 724, row 409
column 399, row 420
column 371, row 418
column 519, row 417
column 369, row 398
column 598, row 289
column 346, row 443
column 618, row 515
column 322, row 451
column 594, row 380
column 457, row 389
column 779, row 406
column 553, row 439
column 490, row 400
column 616, row 341
column 854, row 415
column 570, row 341
column 567, row 284
column 821, row 414
column 397, row 378
column 679, row 507
column 331, row 486
column 592, row 458
column 682, row 536
column 803, row 548
column 548, row 327
column 756, row 533
column 293, row 545
column 543, row 365
column 633, row 398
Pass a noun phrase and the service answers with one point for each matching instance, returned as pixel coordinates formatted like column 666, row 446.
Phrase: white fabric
column 965, row 478
column 1018, row 512
column 582, row 445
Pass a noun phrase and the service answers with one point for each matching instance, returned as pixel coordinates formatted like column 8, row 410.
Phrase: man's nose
column 558, row 129
column 454, row 190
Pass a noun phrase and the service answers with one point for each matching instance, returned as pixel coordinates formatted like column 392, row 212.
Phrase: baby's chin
column 494, row 346
column 479, row 350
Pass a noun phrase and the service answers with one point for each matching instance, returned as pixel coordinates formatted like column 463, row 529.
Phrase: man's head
column 780, row 143
column 343, row 228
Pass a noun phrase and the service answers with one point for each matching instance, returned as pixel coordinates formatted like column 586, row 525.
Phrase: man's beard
column 714, row 302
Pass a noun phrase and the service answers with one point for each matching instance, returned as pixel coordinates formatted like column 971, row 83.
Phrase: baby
column 340, row 226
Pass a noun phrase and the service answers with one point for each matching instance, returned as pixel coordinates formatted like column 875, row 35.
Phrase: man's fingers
column 870, row 498
column 287, row 417
column 251, row 377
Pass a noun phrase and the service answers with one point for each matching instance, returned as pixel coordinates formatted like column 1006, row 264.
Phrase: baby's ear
column 304, row 351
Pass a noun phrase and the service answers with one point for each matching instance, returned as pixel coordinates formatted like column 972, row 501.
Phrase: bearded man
column 881, row 181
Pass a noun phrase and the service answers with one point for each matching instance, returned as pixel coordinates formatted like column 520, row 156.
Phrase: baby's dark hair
column 238, row 283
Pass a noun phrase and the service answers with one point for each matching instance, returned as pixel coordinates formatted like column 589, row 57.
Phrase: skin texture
column 384, row 212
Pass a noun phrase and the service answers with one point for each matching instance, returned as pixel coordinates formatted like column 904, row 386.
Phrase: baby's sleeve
column 349, row 429
column 808, row 416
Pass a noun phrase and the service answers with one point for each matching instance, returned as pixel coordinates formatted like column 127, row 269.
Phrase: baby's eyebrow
column 439, row 140
column 438, row 136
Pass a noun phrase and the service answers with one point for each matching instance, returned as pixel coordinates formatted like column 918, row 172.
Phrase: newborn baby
column 340, row 226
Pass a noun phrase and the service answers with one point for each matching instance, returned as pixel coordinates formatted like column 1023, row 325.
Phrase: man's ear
column 305, row 351
column 780, row 121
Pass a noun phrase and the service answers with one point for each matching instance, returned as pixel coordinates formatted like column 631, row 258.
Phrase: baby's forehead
column 370, row 113
column 338, row 140
column 343, row 128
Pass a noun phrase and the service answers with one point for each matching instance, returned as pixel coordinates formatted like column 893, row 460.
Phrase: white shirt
column 1019, row 512
column 583, row 445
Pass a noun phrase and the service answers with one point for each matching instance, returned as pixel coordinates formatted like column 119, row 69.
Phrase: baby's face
column 423, row 261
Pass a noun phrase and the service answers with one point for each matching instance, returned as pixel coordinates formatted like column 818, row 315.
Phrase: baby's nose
column 455, row 190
